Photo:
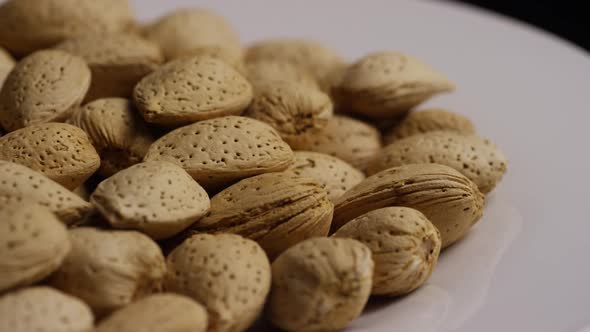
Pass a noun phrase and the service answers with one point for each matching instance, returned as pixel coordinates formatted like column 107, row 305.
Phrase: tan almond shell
column 46, row 86
column 334, row 175
column 476, row 158
column 293, row 109
column 184, row 30
column 192, row 89
column 30, row 25
column 36, row 244
column 118, row 133
column 319, row 60
column 404, row 244
column 277, row 210
column 110, row 269
column 320, row 284
column 44, row 309
column 218, row 52
column 117, row 61
column 165, row 312
column 446, row 197
column 219, row 152
column 351, row 140
column 157, row 198
column 386, row 84
column 228, row 274
column 19, row 183
column 268, row 70
column 429, row 120
column 60, row 151
column 6, row 64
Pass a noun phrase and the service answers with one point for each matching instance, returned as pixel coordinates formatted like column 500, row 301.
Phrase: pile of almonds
column 163, row 177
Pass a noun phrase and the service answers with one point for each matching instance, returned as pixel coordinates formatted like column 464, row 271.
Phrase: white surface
column 525, row 266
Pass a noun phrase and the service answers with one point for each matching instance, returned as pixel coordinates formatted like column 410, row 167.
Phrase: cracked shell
column 19, row 183
column 404, row 244
column 158, row 313
column 110, row 269
column 36, row 243
column 321, row 284
column 228, row 274
column 430, row 120
column 60, row 151
column 476, row 158
column 387, row 84
column 44, row 87
column 44, row 309
column 219, row 152
column 277, row 210
column 157, row 198
column 192, row 89
column 446, row 197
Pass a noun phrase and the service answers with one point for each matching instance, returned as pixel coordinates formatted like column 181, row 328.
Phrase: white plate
column 525, row 267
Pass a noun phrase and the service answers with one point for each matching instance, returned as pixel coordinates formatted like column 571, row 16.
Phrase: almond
column 447, row 198
column 228, row 274
column 293, row 109
column 6, row 65
column 277, row 210
column 477, row 158
column 184, row 30
column 386, row 84
column 19, row 183
column 267, row 70
column 117, row 61
column 309, row 55
column 217, row 52
column 110, row 269
column 192, row 89
column 157, row 198
column 335, row 175
column 44, row 309
column 222, row 151
column 430, row 120
column 351, row 140
column 159, row 312
column 30, row 25
column 46, row 86
column 405, row 247
column 118, row 133
column 35, row 244
column 320, row 284
column 60, row 151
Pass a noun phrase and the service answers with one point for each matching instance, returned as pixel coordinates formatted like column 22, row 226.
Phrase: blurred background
column 567, row 18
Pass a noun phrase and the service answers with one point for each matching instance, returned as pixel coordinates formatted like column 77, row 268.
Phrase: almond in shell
column 265, row 71
column 6, row 65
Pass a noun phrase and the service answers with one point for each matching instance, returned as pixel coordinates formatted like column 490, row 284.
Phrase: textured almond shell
column 265, row 71
column 19, row 183
column 386, row 84
column 184, row 30
column 192, row 89
column 447, row 198
column 117, row 61
column 44, row 309
column 60, row 151
column 430, row 120
column 36, row 244
column 293, row 109
column 351, row 140
column 119, row 134
column 334, row 175
column 30, row 25
column 222, row 151
column 226, row 273
column 157, row 198
column 277, row 210
column 159, row 312
column 218, row 52
column 404, row 244
column 321, row 284
column 43, row 87
column 476, row 158
column 110, row 269
column 6, row 65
